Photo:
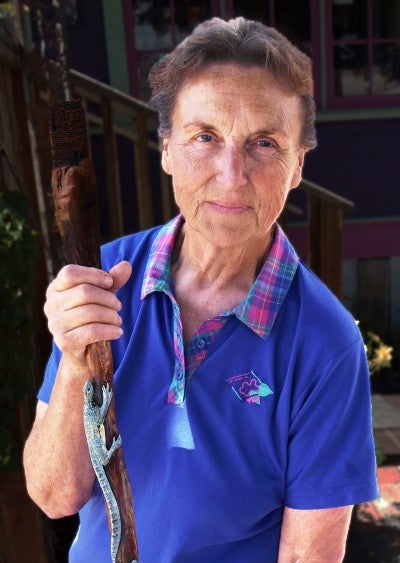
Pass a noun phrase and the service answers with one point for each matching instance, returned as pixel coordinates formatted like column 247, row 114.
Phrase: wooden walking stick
column 74, row 190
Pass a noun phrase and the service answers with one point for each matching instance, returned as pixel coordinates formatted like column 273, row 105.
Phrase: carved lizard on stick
column 93, row 419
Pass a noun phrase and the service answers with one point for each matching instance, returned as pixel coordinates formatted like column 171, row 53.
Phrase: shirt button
column 201, row 343
column 180, row 374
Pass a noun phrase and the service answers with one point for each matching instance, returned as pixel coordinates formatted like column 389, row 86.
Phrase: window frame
column 369, row 100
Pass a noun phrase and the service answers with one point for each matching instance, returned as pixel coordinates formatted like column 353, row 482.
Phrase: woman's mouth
column 230, row 208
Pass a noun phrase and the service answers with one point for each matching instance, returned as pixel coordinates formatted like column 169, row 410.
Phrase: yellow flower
column 382, row 358
column 383, row 354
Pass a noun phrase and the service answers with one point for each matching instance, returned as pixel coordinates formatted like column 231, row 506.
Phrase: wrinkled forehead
column 280, row 79
column 250, row 92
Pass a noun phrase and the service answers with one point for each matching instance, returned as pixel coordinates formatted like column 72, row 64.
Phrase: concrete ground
column 375, row 530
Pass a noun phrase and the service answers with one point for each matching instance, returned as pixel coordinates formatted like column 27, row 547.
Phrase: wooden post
column 112, row 170
column 142, row 166
column 326, row 242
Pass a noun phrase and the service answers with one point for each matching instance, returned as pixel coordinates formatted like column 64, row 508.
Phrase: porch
column 134, row 194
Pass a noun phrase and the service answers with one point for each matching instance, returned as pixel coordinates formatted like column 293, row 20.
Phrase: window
column 291, row 18
column 363, row 53
column 158, row 26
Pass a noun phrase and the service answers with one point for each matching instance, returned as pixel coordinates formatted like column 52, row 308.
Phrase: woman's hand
column 81, row 307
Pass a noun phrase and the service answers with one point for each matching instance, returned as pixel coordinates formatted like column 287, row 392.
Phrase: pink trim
column 172, row 21
column 375, row 239
column 229, row 9
column 379, row 239
column 329, row 54
column 370, row 47
column 272, row 13
column 315, row 51
column 131, row 53
column 215, row 7
column 356, row 102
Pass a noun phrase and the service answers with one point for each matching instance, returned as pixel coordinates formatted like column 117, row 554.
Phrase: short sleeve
column 331, row 454
column 49, row 375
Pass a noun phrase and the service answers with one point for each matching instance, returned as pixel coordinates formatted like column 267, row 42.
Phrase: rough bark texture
column 75, row 199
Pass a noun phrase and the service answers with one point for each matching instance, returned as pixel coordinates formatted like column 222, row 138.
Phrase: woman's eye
column 204, row 138
column 264, row 143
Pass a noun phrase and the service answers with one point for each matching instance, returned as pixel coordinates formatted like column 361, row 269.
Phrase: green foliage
column 6, row 7
column 18, row 250
column 379, row 454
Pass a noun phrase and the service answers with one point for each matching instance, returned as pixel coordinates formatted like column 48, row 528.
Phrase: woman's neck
column 209, row 280
column 209, row 264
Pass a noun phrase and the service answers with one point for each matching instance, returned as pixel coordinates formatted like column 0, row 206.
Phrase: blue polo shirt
column 265, row 420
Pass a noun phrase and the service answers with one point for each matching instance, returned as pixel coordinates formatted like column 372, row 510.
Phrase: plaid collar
column 261, row 306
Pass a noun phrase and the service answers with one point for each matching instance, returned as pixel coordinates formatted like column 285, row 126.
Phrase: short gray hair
column 238, row 41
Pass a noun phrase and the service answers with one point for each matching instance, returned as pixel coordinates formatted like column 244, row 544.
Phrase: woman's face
column 233, row 153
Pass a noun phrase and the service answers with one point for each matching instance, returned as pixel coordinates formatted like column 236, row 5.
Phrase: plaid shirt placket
column 157, row 277
column 258, row 310
column 197, row 349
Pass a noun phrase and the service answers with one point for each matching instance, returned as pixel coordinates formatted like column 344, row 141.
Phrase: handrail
column 325, row 195
column 119, row 115
column 101, row 89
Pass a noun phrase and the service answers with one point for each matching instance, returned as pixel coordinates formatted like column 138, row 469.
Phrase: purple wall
column 359, row 160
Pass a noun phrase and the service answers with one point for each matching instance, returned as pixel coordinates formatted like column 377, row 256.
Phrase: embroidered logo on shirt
column 248, row 387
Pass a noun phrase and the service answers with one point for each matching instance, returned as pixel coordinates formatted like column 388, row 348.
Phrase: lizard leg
column 107, row 396
column 106, row 454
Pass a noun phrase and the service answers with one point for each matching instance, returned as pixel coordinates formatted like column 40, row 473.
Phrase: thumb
column 120, row 273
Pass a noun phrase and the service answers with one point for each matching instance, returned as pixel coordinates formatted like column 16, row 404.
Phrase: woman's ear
column 296, row 178
column 165, row 160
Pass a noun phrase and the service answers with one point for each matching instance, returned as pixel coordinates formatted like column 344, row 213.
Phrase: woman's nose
column 231, row 172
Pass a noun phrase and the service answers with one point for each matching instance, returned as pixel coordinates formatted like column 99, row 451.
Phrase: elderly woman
column 241, row 384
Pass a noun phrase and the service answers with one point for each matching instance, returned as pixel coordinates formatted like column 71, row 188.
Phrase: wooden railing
column 115, row 114
column 325, row 233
